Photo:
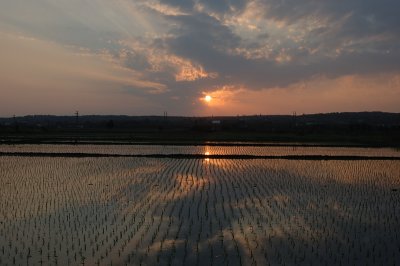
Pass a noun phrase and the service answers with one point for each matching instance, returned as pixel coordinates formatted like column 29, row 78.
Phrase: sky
column 147, row 57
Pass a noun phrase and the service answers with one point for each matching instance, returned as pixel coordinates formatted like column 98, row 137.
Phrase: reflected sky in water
column 193, row 211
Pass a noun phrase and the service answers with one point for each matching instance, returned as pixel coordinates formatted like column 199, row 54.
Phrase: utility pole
column 165, row 116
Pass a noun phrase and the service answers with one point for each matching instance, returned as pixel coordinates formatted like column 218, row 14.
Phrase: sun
column 208, row 98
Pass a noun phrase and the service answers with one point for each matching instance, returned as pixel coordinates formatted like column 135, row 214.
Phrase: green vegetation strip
column 200, row 156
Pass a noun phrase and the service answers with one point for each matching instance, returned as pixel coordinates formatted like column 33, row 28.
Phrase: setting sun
column 208, row 98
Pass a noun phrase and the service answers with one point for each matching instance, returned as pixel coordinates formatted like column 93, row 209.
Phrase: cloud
column 351, row 93
column 166, row 10
column 38, row 76
column 170, row 51
column 305, row 39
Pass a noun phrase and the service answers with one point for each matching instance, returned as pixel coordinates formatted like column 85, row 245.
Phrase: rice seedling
column 164, row 211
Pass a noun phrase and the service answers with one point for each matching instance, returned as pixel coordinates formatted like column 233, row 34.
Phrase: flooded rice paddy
column 168, row 211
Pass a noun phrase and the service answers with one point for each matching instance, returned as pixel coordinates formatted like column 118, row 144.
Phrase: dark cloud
column 366, row 40
column 262, row 36
column 184, row 5
column 356, row 37
column 220, row 6
column 171, row 51
column 224, row 6
column 137, row 61
column 203, row 32
column 367, row 16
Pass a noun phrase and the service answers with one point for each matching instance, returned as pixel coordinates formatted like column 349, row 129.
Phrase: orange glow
column 208, row 98
column 206, row 154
